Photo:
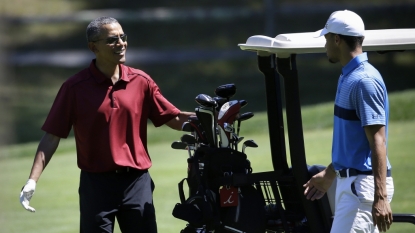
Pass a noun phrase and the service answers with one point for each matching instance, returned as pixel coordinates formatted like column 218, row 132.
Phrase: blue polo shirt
column 361, row 100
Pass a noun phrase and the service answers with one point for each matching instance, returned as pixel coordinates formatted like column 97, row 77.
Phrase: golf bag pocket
column 249, row 214
column 188, row 212
column 199, row 209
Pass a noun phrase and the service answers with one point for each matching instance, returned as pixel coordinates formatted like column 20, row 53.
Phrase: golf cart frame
column 277, row 62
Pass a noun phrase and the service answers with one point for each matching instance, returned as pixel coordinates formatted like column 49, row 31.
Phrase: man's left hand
column 382, row 214
column 26, row 194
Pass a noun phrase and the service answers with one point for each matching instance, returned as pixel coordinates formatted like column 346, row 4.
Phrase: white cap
column 345, row 23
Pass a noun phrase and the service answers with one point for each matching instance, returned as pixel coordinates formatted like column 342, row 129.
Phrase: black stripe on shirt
column 345, row 114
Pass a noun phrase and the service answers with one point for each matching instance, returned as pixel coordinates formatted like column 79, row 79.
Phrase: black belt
column 127, row 170
column 353, row 172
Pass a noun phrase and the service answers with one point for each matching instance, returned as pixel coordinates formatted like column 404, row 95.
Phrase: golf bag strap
column 181, row 192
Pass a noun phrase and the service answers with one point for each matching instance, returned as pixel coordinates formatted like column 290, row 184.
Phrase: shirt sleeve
column 161, row 110
column 59, row 121
column 370, row 102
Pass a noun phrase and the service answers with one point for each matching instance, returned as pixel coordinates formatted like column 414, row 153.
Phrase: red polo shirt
column 109, row 121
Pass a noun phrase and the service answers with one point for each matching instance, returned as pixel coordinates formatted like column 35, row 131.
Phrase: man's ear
column 337, row 39
column 92, row 47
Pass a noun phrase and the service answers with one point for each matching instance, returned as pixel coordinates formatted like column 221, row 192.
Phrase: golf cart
column 224, row 194
column 276, row 60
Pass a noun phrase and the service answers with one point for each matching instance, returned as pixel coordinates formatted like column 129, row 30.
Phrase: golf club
column 191, row 141
column 220, row 101
column 243, row 103
column 226, row 91
column 187, row 127
column 206, row 101
column 179, row 145
column 243, row 117
column 188, row 139
column 249, row 143
column 227, row 115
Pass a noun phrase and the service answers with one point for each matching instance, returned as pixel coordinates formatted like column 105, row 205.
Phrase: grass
column 56, row 198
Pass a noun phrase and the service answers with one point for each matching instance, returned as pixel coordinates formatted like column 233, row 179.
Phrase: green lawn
column 56, row 198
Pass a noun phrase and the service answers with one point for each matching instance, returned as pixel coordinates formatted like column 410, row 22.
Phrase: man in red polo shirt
column 107, row 105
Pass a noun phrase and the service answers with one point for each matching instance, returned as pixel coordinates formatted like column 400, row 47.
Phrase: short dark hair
column 352, row 41
column 94, row 28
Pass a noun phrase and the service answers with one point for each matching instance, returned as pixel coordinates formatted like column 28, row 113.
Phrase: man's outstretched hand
column 26, row 194
column 318, row 185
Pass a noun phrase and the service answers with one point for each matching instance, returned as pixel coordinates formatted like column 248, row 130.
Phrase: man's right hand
column 318, row 185
column 26, row 194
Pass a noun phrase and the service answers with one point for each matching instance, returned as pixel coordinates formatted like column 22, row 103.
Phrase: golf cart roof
column 299, row 43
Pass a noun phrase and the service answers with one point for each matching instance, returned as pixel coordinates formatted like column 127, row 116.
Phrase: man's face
column 332, row 49
column 110, row 47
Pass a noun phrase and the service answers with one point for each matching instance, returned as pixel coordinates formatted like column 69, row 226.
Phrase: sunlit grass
column 56, row 197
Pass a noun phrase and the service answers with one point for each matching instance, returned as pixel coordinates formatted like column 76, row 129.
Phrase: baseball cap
column 345, row 23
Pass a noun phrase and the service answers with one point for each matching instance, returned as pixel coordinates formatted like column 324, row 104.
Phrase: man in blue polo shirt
column 359, row 151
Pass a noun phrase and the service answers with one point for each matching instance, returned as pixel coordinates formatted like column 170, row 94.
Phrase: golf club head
column 245, row 116
column 228, row 127
column 187, row 127
column 228, row 112
column 226, row 90
column 249, row 143
column 193, row 126
column 188, row 139
column 239, row 139
column 243, row 103
column 179, row 145
column 206, row 101
column 220, row 101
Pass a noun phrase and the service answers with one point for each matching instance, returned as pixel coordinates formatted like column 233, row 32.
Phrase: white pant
column 353, row 208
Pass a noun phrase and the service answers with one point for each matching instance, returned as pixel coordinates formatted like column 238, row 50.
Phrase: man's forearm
column 47, row 147
column 379, row 167
column 177, row 122
column 377, row 141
